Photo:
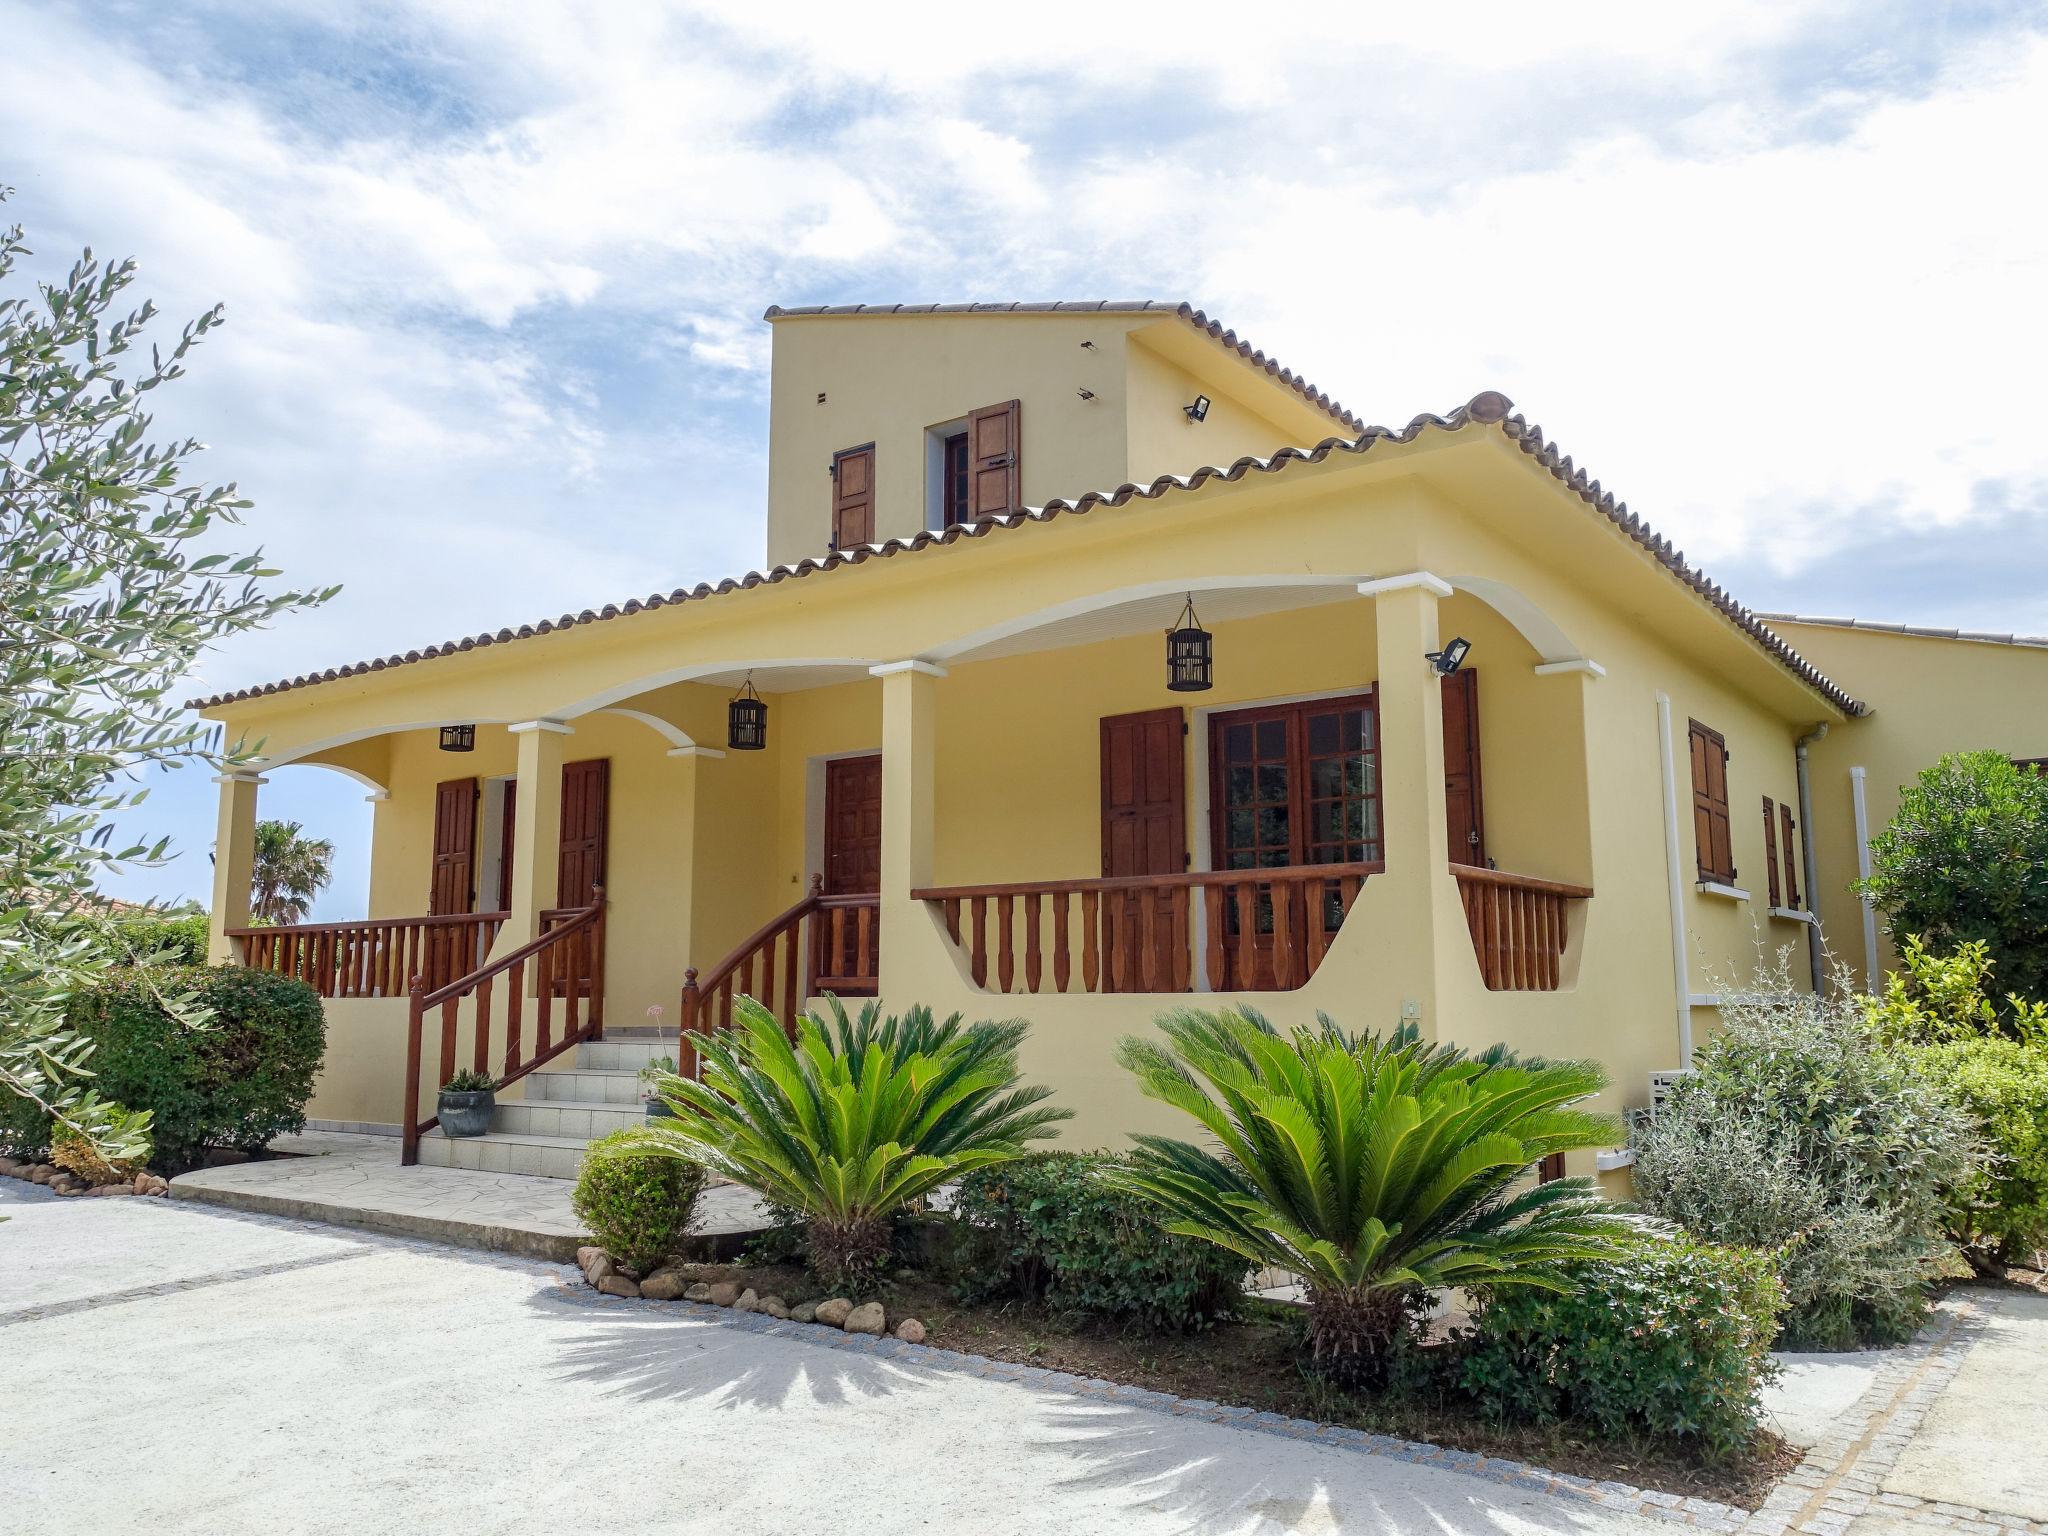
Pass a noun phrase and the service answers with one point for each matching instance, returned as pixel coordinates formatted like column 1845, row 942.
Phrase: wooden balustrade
column 822, row 944
column 1519, row 924
column 1250, row 930
column 560, row 975
column 378, row 957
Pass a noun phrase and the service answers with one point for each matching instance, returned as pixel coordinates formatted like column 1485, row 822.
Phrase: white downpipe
column 1856, row 777
column 1681, row 985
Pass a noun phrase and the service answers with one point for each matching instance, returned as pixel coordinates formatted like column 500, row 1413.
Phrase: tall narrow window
column 1710, row 804
column 1771, row 851
column 957, row 478
column 1790, row 846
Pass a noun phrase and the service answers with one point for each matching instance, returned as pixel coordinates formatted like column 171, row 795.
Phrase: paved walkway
column 355, row 1181
column 251, row 1374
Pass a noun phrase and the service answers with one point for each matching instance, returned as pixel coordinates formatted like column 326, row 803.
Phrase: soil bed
column 1254, row 1363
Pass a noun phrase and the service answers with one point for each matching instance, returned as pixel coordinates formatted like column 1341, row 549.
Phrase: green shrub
column 1669, row 1338
column 1999, row 1213
column 469, row 1080
column 158, row 938
column 1801, row 1134
column 1377, row 1168
column 238, row 1082
column 638, row 1205
column 1054, row 1228
column 851, row 1121
column 1962, row 861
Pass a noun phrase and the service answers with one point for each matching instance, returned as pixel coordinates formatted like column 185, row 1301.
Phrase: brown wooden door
column 1463, row 812
column 508, row 823
column 993, row 456
column 853, row 497
column 454, row 870
column 1292, row 784
column 1144, row 832
column 853, row 826
column 586, row 816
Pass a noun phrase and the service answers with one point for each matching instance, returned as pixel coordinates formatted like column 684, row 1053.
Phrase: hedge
column 1671, row 1339
column 1050, row 1228
column 239, row 1081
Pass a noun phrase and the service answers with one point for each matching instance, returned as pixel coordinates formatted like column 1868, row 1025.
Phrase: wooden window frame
column 1297, row 763
column 1710, row 815
column 956, row 480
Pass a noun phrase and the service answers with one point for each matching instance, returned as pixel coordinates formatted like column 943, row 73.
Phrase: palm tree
column 1376, row 1168
column 288, row 873
column 851, row 1120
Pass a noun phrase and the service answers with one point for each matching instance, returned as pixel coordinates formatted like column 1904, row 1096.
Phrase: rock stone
column 9, row 1166
column 910, row 1331
column 833, row 1313
column 749, row 1301
column 723, row 1294
column 587, row 1255
column 618, row 1285
column 40, row 1174
column 600, row 1268
column 664, row 1285
column 141, row 1184
column 804, row 1312
column 774, row 1306
column 868, row 1317
column 698, row 1292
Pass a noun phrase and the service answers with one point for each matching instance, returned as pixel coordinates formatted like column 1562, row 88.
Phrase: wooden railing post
column 409, row 1125
column 686, row 1013
column 597, row 965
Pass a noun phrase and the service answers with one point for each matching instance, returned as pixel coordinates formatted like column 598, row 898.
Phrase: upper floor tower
column 888, row 419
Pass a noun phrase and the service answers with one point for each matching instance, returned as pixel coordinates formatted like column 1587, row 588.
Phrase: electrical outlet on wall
column 1410, row 1009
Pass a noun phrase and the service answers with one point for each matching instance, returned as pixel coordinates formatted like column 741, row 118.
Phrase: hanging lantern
column 1189, row 658
column 746, row 719
column 458, row 738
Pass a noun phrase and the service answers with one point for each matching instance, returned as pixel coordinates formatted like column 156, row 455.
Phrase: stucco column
column 1411, row 926
column 536, row 828
column 913, row 955
column 234, row 862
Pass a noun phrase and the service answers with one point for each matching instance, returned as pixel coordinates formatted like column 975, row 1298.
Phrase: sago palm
column 852, row 1119
column 1376, row 1168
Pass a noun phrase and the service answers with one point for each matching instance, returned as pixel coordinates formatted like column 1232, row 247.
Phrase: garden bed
column 1254, row 1363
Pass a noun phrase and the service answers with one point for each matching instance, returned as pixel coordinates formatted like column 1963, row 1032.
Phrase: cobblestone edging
column 1842, row 1478
column 1623, row 1498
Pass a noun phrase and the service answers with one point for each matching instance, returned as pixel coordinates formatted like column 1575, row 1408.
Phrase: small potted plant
column 467, row 1100
column 651, row 1075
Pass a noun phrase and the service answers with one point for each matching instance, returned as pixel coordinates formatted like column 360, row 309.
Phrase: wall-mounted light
column 1199, row 411
column 1450, row 658
column 1190, row 654
column 1085, row 394
column 1088, row 346
column 458, row 738
column 746, row 719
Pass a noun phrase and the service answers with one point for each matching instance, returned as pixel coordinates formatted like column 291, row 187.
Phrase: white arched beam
column 1554, row 648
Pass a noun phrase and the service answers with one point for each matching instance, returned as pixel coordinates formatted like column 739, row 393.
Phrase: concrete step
column 627, row 1053
column 548, row 1157
column 563, row 1117
column 584, row 1085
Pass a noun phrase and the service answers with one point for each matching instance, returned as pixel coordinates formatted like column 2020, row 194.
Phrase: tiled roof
column 1214, row 329
column 1489, row 409
column 1921, row 631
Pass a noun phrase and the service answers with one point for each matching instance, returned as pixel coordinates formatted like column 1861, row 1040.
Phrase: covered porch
column 1022, row 810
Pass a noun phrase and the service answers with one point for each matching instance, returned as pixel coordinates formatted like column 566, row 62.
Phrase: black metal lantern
column 1450, row 658
column 1189, row 654
column 746, row 719
column 458, row 738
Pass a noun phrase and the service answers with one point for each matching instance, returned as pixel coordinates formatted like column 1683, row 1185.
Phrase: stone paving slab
column 356, row 1181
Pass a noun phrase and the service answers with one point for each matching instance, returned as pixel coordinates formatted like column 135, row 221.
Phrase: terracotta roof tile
column 1486, row 409
column 1920, row 631
column 1214, row 329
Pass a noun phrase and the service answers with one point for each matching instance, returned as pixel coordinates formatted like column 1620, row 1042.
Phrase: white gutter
column 1681, row 986
column 1856, row 777
column 1816, row 951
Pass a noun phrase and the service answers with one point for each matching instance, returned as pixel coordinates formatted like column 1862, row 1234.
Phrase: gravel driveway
column 189, row 1369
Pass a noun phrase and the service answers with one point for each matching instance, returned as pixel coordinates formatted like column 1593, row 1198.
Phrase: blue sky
column 494, row 273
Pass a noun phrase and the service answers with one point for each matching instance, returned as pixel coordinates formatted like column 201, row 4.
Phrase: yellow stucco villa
column 1442, row 733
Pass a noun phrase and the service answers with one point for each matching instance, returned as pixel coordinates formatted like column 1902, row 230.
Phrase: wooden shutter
column 454, row 871
column 1714, row 845
column 1791, row 857
column 853, row 497
column 1145, row 832
column 586, row 816
column 1771, row 848
column 508, row 839
column 993, row 450
column 1466, row 827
